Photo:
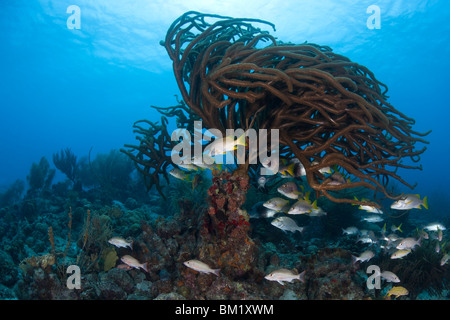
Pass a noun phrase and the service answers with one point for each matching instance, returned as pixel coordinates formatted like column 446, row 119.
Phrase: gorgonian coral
column 329, row 110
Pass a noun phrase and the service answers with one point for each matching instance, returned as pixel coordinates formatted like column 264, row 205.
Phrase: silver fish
column 373, row 218
column 179, row 174
column 289, row 190
column 120, row 242
column 435, row 226
column 285, row 275
column 134, row 263
column 444, row 259
column 303, row 206
column 408, row 243
column 317, row 212
column 223, row 145
column 365, row 256
column 259, row 211
column 389, row 276
column 410, row 201
column 286, row 224
column 277, row 204
column 350, row 230
column 400, row 253
column 201, row 267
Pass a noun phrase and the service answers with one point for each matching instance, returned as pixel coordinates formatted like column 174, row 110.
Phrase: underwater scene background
column 93, row 207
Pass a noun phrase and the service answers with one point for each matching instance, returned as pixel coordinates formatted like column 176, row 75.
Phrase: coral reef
column 331, row 112
column 333, row 276
column 66, row 162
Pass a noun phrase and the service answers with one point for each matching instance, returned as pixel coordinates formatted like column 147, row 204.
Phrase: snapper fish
column 397, row 292
column 286, row 224
column 444, row 259
column 223, row 145
column 290, row 190
column 410, row 201
column 285, row 275
column 321, row 170
column 336, row 179
column 303, row 206
column 201, row 267
column 350, row 230
column 365, row 256
column 435, row 226
column 259, row 211
column 120, row 242
column 134, row 263
column 290, row 169
column 408, row 243
column 399, row 254
column 188, row 165
column 368, row 238
column 369, row 208
column 317, row 212
column 179, row 174
column 277, row 204
column 389, row 276
column 422, row 233
column 373, row 218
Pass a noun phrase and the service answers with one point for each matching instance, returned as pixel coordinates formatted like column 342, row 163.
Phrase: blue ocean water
column 84, row 88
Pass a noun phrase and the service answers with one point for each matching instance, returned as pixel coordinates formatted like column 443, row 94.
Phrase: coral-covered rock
column 331, row 275
column 8, row 270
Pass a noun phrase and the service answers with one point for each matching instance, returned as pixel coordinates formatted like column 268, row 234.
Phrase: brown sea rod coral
column 330, row 111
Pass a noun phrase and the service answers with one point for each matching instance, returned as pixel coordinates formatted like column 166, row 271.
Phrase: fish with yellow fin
column 410, row 201
column 397, row 291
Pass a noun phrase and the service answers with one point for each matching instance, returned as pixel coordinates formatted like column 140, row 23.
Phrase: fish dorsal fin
column 284, row 270
column 307, row 196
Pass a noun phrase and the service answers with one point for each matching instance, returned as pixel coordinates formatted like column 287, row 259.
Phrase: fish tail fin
column 425, row 202
column 145, row 266
column 354, row 259
column 241, row 141
column 399, row 228
column 307, row 196
column 216, row 272
column 131, row 244
column 314, row 204
column 218, row 167
column 301, row 276
column 356, row 199
column 290, row 169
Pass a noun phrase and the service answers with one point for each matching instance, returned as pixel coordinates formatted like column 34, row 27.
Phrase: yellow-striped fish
column 397, row 292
